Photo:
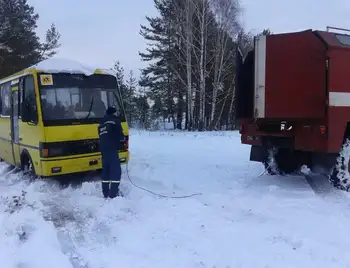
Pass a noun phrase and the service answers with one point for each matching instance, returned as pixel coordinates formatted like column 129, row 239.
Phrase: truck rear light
column 323, row 130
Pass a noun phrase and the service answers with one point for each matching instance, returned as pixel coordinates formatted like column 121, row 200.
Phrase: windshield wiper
column 90, row 109
column 121, row 107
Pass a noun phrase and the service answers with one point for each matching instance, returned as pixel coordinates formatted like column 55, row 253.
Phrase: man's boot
column 114, row 191
column 105, row 188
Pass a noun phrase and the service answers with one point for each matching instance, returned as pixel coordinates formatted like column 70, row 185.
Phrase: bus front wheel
column 27, row 165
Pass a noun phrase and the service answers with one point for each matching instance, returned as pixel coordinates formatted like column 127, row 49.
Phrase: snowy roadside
column 240, row 220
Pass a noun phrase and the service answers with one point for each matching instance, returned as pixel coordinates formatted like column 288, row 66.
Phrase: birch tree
column 188, row 45
column 204, row 18
column 182, row 23
column 226, row 16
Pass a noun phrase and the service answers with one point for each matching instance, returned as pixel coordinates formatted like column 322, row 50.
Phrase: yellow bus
column 49, row 114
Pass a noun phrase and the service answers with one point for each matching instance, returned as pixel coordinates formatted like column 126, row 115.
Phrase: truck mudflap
column 257, row 153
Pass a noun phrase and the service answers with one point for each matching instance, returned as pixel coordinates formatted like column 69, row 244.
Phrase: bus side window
column 1, row 99
column 28, row 97
column 5, row 99
column 20, row 95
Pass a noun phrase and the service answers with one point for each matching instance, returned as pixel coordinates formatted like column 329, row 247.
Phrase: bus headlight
column 51, row 152
column 55, row 152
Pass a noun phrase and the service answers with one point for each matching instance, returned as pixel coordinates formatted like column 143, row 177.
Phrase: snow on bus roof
column 62, row 65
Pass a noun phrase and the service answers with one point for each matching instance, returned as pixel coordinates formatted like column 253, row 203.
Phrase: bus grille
column 78, row 147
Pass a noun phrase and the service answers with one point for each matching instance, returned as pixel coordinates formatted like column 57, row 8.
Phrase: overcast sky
column 100, row 32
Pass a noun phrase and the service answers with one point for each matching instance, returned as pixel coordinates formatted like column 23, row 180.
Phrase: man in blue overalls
column 111, row 134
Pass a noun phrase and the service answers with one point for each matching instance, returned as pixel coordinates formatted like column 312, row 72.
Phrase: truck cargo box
column 289, row 73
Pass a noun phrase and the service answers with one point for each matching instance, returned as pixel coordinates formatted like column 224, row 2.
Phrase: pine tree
column 266, row 32
column 20, row 46
column 142, row 111
column 49, row 48
column 4, row 26
column 130, row 100
column 128, row 90
column 161, row 77
column 119, row 72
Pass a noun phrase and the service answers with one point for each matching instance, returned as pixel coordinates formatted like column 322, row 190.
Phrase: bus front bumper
column 71, row 165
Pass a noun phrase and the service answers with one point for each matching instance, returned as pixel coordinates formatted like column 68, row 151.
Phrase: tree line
column 191, row 56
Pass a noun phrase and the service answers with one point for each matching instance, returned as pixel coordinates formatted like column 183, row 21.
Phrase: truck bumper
column 302, row 137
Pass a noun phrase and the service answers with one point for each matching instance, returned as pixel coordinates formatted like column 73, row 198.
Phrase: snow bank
column 240, row 220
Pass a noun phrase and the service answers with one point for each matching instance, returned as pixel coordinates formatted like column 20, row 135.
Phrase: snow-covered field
column 239, row 220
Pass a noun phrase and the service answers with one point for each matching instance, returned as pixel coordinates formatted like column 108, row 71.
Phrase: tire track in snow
column 83, row 221
column 320, row 184
column 70, row 220
column 75, row 232
column 69, row 248
column 20, row 208
column 53, row 211
column 62, row 215
column 322, row 187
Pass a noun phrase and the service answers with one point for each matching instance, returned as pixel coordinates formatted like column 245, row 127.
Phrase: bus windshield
column 75, row 98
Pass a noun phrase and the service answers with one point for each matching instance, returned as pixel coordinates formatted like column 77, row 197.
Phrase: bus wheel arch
column 27, row 163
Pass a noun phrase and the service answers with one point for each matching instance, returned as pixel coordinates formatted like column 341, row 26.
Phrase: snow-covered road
column 239, row 220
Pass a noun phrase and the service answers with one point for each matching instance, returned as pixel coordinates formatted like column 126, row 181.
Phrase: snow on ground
column 239, row 220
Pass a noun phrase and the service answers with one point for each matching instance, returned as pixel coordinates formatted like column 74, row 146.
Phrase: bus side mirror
column 25, row 112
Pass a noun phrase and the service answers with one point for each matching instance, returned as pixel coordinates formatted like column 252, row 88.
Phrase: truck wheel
column 287, row 161
column 270, row 161
column 340, row 176
column 284, row 161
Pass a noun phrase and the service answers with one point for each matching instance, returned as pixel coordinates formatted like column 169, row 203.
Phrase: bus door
column 14, row 122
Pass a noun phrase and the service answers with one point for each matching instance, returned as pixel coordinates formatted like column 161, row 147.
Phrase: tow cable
column 157, row 194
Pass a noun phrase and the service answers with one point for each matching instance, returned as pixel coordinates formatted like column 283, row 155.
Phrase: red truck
column 293, row 102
